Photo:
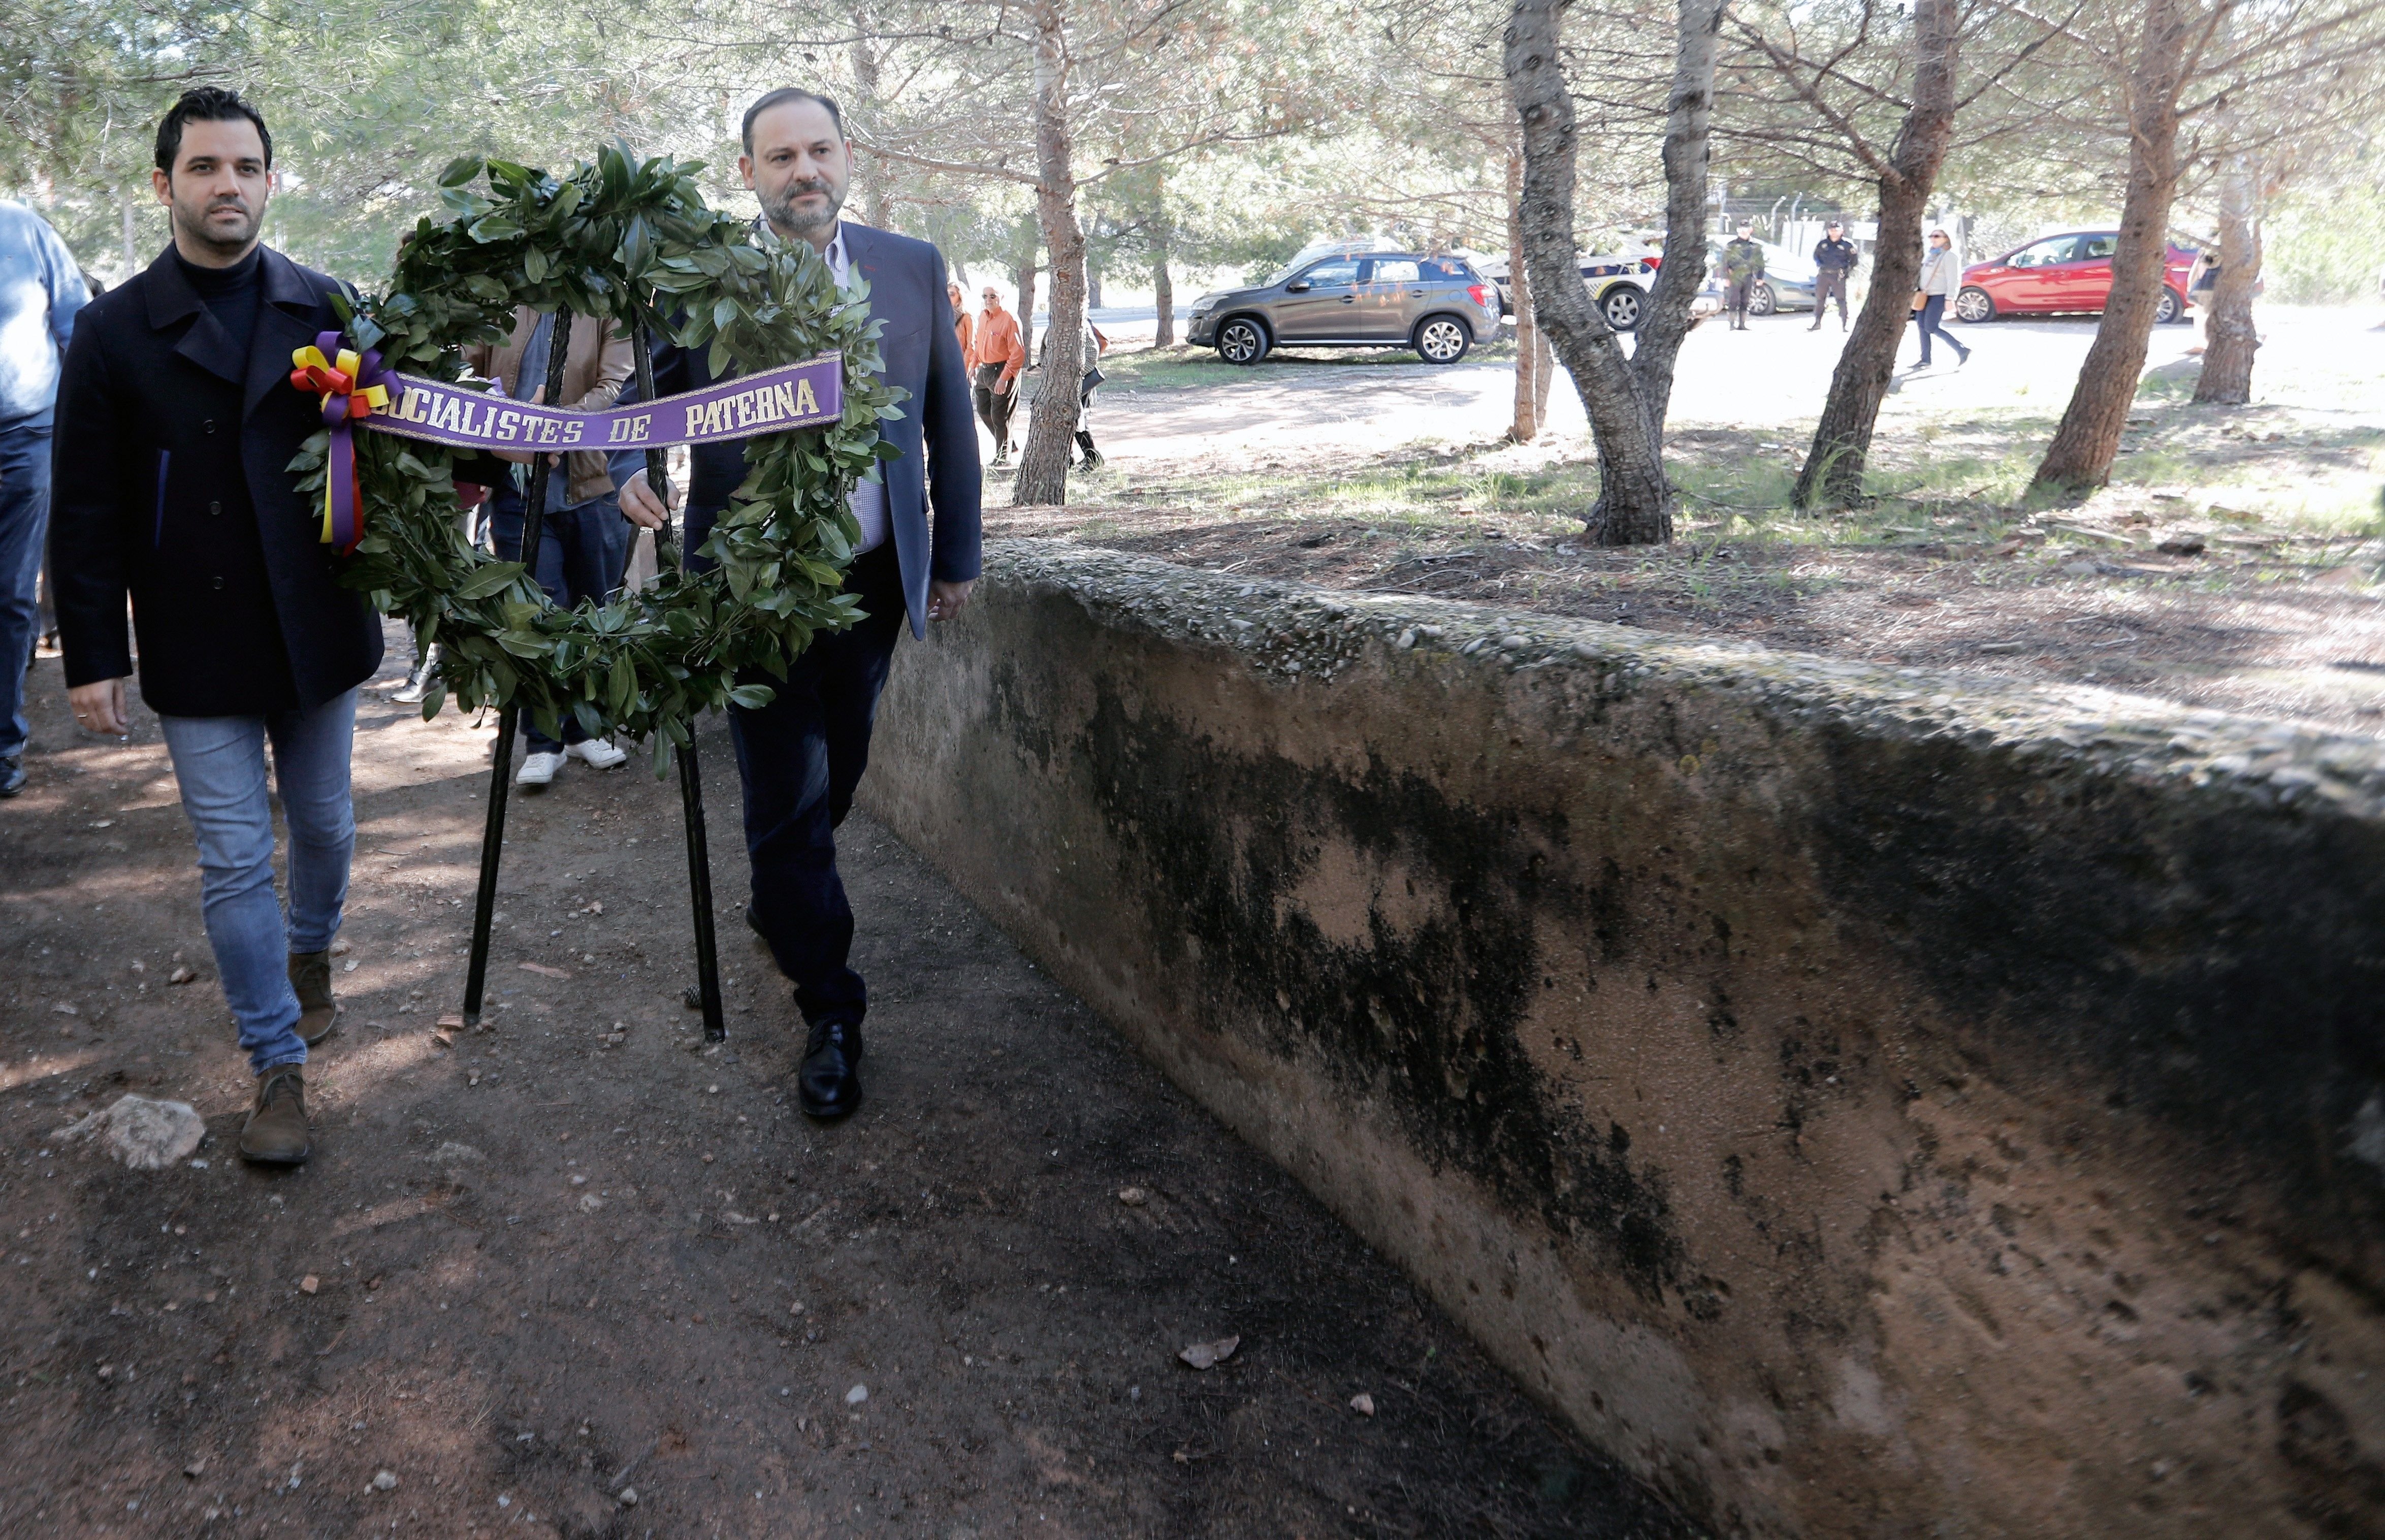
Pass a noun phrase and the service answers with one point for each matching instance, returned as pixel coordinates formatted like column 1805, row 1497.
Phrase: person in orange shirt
column 964, row 328
column 1000, row 353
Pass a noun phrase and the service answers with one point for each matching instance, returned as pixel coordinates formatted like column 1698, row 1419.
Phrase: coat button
column 209, row 426
column 219, row 583
column 215, row 507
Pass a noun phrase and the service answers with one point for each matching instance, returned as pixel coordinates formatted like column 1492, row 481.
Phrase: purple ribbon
column 352, row 387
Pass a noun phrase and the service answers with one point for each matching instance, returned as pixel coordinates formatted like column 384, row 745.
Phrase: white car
column 1618, row 284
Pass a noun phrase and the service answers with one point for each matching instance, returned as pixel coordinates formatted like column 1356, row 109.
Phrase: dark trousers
column 24, row 523
column 1931, row 314
column 993, row 406
column 1831, row 283
column 800, row 758
column 582, row 553
column 1737, row 293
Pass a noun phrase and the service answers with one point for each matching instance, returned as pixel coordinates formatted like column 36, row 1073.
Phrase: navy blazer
column 171, row 485
column 937, row 433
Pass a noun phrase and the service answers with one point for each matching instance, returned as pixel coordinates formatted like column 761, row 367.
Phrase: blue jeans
column 800, row 758
column 581, row 553
column 24, row 525
column 219, row 764
column 1931, row 316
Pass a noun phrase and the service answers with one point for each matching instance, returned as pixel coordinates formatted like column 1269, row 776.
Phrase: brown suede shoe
column 310, row 975
column 276, row 1132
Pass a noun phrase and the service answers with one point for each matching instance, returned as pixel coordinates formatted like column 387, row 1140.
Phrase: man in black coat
column 176, row 421
column 801, row 756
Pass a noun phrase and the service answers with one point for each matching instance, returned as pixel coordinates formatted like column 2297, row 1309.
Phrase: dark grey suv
column 1352, row 297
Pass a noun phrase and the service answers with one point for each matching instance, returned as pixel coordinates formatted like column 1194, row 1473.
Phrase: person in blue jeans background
column 1941, row 278
column 584, row 543
column 41, row 290
column 176, row 425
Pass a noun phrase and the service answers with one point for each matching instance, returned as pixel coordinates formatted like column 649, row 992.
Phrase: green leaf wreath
column 632, row 240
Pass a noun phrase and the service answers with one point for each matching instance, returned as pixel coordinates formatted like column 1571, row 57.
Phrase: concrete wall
column 1868, row 1102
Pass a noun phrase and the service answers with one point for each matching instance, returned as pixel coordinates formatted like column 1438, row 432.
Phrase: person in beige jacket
column 1941, row 278
column 585, row 544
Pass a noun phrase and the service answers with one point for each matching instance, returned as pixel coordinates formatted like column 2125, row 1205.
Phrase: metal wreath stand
column 690, row 785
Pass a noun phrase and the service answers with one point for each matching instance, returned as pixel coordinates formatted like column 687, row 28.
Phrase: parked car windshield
column 2042, row 254
column 1786, row 262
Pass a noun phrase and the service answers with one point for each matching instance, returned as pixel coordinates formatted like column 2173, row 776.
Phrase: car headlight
column 1203, row 306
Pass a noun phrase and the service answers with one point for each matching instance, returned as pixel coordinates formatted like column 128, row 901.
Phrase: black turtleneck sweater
column 229, row 293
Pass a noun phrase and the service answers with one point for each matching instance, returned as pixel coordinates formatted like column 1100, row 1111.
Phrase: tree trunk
column 1023, row 271
column 1833, row 474
column 1092, row 287
column 2228, row 338
column 1545, row 372
column 1531, row 394
column 1634, row 505
column 1023, row 279
column 1163, row 289
column 1044, row 465
column 2080, row 458
column 1689, row 120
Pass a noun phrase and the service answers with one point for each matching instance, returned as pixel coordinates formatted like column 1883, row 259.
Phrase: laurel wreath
column 632, row 240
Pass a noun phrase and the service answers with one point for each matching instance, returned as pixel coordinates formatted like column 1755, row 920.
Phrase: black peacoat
column 170, row 484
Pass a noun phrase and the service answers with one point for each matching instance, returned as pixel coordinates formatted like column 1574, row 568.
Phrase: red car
column 2061, row 273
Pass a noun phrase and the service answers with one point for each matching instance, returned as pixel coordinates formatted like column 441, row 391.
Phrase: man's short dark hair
column 784, row 96
column 206, row 105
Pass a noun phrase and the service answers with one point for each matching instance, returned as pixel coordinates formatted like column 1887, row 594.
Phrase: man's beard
column 193, row 224
column 782, row 213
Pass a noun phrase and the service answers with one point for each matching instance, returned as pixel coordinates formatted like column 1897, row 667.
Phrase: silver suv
column 1352, row 297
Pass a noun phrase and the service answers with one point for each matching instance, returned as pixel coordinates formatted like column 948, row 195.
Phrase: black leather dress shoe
column 828, row 1084
column 12, row 777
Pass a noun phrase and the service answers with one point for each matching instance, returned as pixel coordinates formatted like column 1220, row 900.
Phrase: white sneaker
column 598, row 753
column 538, row 769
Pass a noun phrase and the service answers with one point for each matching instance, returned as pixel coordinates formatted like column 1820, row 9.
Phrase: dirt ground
column 579, row 1253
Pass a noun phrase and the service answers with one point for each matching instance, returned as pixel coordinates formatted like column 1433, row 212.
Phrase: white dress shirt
column 869, row 502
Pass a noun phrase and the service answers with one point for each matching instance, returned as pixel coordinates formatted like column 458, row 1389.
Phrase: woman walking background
column 1942, row 275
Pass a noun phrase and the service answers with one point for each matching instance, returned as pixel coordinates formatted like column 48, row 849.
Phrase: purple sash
column 795, row 395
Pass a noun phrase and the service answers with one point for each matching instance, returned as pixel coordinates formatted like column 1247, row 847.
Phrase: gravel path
column 1774, row 375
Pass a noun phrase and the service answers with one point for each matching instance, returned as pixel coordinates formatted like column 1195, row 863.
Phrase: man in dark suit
column 176, row 425
column 801, row 756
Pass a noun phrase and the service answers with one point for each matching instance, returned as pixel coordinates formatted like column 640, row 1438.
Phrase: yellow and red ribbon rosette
column 350, row 386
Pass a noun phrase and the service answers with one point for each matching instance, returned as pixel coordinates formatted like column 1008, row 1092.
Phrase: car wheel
column 2170, row 308
column 1761, row 300
column 1441, row 340
column 1974, row 305
column 1242, row 340
column 1620, row 305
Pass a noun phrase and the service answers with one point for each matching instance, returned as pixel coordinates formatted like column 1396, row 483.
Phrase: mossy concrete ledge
column 1870, row 1102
